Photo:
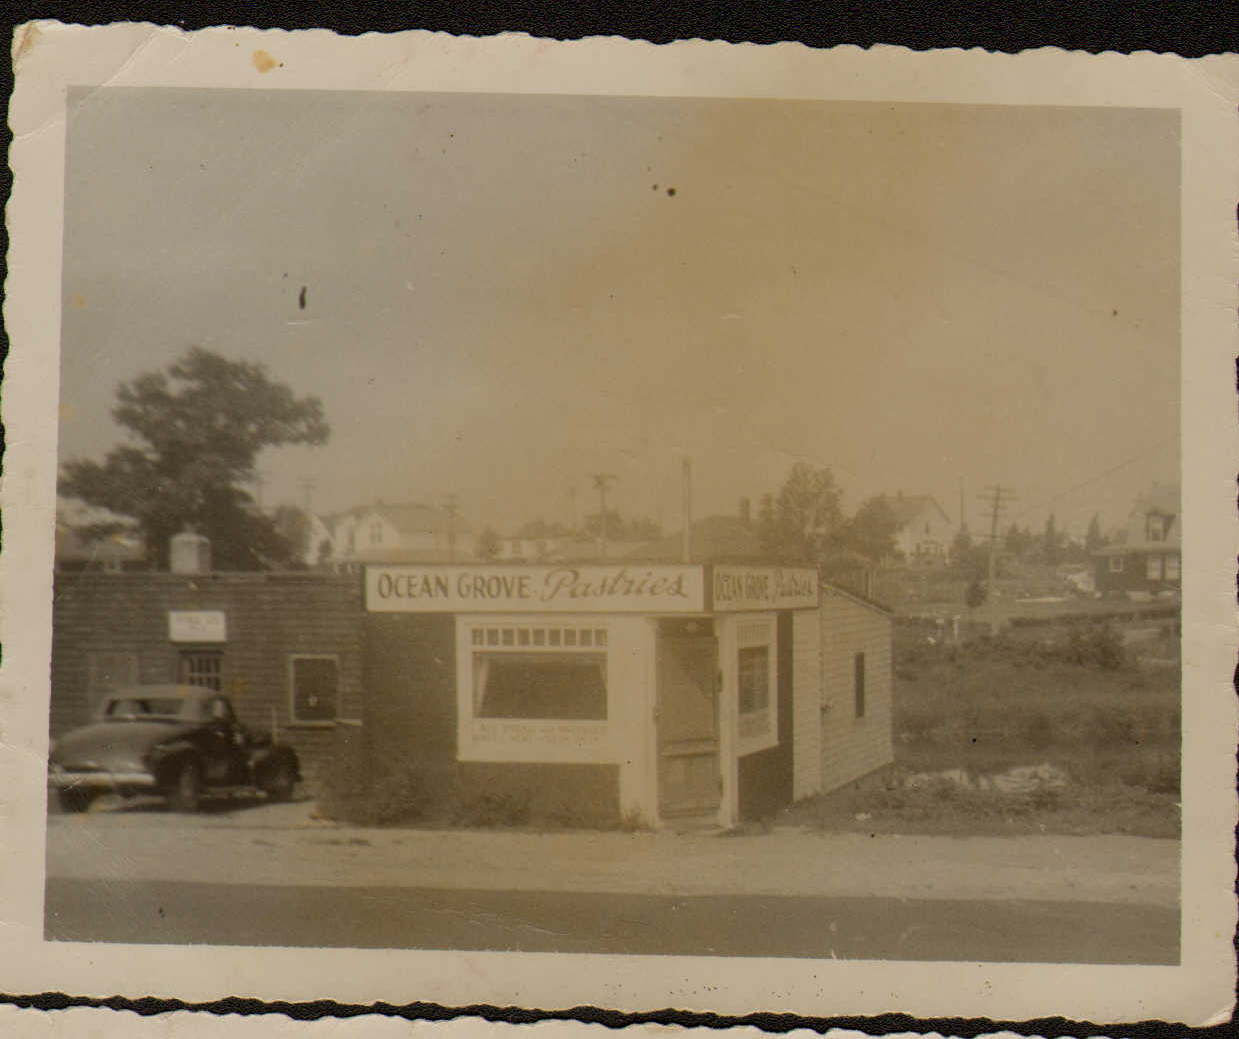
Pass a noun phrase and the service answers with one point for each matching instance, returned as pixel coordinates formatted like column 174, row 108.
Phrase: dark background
column 1187, row 28
column 1190, row 29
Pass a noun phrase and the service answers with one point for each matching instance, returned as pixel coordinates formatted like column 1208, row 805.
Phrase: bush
column 493, row 808
column 1099, row 646
column 399, row 797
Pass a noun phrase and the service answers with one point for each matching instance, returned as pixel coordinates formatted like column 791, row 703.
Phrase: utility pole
column 687, row 544
column 996, row 497
column 451, row 508
column 601, row 482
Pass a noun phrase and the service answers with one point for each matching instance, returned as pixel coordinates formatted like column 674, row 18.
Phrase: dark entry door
column 689, row 781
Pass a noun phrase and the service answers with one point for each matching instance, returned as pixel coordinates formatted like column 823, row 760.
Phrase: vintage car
column 181, row 742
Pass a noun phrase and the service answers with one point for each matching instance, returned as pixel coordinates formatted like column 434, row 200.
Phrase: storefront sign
column 535, row 589
column 764, row 588
column 197, row 626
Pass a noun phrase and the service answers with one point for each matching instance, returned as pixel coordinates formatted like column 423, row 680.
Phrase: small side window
column 858, row 684
column 315, row 691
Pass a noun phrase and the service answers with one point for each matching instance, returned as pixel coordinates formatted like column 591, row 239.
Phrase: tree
column 1018, row 541
column 804, row 518
column 1094, row 539
column 871, row 532
column 293, row 525
column 489, row 543
column 1051, row 541
column 194, row 433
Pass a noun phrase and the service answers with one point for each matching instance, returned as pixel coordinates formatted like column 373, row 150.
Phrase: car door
column 224, row 745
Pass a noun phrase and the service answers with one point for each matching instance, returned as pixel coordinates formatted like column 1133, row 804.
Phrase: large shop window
column 316, row 688
column 540, row 673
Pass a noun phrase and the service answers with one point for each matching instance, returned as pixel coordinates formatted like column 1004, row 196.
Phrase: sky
column 508, row 293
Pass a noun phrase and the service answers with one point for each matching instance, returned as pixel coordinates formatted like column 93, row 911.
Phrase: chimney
column 746, row 512
column 189, row 553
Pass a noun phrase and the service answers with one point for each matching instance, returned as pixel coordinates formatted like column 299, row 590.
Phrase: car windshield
column 130, row 707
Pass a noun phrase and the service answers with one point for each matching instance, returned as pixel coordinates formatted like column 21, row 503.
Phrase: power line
column 1097, row 478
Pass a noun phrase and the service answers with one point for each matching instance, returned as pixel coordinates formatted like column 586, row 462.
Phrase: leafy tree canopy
column 805, row 517
column 871, row 531
column 195, row 431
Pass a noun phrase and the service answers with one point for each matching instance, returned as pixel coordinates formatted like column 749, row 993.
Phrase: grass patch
column 1080, row 702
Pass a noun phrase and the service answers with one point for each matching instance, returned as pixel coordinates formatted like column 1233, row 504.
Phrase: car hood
column 109, row 742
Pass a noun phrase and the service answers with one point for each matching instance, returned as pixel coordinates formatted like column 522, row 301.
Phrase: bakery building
column 658, row 694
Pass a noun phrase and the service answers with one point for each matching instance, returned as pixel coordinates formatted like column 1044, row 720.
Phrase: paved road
column 173, row 912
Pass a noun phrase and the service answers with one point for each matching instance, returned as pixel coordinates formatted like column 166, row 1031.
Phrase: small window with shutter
column 315, row 688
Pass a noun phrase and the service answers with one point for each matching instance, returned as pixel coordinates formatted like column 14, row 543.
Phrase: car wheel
column 187, row 793
column 279, row 782
column 74, row 800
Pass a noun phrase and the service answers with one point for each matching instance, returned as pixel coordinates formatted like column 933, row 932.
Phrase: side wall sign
column 535, row 589
column 764, row 588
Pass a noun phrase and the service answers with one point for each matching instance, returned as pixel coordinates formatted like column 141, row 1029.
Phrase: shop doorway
column 689, row 781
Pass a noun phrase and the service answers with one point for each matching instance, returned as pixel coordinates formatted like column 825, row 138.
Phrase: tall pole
column 451, row 508
column 601, row 482
column 687, row 546
column 996, row 497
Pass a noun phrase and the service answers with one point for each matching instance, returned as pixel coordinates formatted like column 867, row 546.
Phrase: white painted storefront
column 669, row 673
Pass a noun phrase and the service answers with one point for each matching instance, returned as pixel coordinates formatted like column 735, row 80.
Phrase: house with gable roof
column 924, row 532
column 1146, row 557
column 398, row 533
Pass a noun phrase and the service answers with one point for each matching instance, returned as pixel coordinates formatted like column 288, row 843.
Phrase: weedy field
column 1075, row 732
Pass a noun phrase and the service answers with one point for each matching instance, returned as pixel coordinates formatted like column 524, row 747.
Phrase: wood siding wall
column 807, row 703
column 852, row 747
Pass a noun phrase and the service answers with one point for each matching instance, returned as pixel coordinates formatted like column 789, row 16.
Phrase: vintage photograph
column 611, row 524
column 497, row 524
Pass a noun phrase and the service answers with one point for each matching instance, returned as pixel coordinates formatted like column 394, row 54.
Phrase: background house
column 924, row 532
column 1146, row 559
column 397, row 533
